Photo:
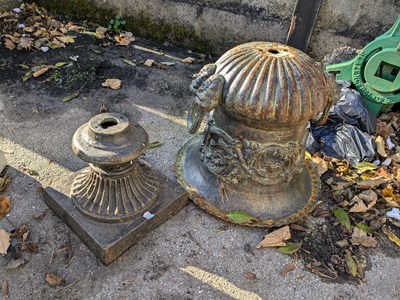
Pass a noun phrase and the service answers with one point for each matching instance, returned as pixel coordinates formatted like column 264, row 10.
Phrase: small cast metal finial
column 115, row 187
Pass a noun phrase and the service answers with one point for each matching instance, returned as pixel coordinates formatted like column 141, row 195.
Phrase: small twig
column 67, row 265
column 306, row 251
column 51, row 257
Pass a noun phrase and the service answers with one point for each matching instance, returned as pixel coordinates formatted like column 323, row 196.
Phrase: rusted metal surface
column 104, row 204
column 302, row 23
column 250, row 157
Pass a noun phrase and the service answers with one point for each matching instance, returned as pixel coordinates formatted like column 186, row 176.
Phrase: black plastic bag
column 341, row 141
column 351, row 109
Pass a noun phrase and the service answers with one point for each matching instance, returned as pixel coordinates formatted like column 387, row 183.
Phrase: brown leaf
column 15, row 263
column 188, row 60
column 19, row 232
column 369, row 197
column 6, row 15
column 4, row 289
column 371, row 183
column 359, row 206
column 112, row 83
column 148, row 62
column 40, row 72
column 4, row 241
column 9, row 44
column 380, row 146
column 390, row 197
column 4, row 206
column 322, row 165
column 276, row 238
column 342, row 243
column 25, row 43
column 124, row 39
column 41, row 215
column 381, row 128
column 250, row 276
column 300, row 228
column 25, row 236
column 287, row 269
column 396, row 173
column 360, row 237
column 54, row 279
column 101, row 31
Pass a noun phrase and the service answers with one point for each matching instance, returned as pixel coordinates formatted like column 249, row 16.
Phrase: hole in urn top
column 273, row 51
column 108, row 123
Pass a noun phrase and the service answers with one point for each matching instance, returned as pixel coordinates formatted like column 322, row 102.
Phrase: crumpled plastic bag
column 342, row 141
column 345, row 134
column 351, row 108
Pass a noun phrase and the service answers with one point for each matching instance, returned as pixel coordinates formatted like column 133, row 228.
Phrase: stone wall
column 217, row 25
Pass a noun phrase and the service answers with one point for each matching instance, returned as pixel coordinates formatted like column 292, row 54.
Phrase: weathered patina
column 114, row 188
column 251, row 156
column 119, row 198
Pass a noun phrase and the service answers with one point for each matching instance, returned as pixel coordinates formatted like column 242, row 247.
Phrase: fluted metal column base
column 109, row 240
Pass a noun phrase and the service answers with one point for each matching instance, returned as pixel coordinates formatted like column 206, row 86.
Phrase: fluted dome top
column 271, row 82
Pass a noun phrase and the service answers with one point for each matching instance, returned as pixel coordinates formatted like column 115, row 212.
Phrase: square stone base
column 110, row 240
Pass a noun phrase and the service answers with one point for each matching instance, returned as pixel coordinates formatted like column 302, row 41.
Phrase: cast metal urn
column 248, row 166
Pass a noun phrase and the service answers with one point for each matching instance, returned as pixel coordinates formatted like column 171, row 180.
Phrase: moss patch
column 140, row 24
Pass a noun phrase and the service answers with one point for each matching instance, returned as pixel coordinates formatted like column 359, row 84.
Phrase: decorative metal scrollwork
column 233, row 160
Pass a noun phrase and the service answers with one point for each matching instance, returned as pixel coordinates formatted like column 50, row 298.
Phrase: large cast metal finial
column 114, row 188
column 250, row 159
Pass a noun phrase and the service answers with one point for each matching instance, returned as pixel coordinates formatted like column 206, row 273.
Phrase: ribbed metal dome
column 271, row 82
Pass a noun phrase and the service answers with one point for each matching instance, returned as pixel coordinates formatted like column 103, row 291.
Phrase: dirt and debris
column 333, row 242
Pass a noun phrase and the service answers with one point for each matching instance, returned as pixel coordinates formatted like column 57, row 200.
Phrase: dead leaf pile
column 17, row 245
column 354, row 216
column 33, row 28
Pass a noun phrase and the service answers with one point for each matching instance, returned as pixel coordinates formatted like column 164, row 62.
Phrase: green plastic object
column 375, row 71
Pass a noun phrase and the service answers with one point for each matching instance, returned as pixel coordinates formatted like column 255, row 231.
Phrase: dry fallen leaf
column 391, row 198
column 369, row 197
column 148, row 62
column 4, row 241
column 15, row 263
column 276, row 238
column 360, row 237
column 40, row 72
column 380, row 146
column 54, row 279
column 322, row 165
column 188, row 60
column 25, row 43
column 112, row 83
column 9, row 44
column 101, row 31
column 287, row 269
column 250, row 276
column 4, row 206
column 124, row 38
column 371, row 183
column 391, row 236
